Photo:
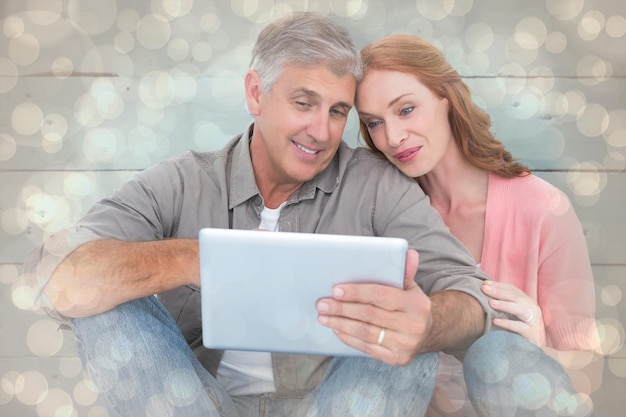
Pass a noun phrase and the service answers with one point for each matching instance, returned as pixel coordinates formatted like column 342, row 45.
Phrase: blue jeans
column 142, row 366
column 508, row 376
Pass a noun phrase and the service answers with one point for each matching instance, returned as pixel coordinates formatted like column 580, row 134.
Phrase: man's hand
column 387, row 323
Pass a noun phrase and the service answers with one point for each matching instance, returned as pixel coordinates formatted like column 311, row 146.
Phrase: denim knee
column 507, row 375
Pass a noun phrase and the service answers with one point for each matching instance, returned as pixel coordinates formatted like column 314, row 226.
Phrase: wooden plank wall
column 92, row 91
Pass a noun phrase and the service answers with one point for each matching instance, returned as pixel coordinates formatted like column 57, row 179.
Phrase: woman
column 415, row 110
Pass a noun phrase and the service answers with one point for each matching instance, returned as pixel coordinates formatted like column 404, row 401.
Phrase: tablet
column 259, row 289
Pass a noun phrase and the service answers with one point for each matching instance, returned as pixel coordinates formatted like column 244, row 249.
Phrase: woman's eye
column 406, row 110
column 372, row 125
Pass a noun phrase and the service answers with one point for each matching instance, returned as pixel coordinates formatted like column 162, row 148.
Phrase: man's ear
column 253, row 92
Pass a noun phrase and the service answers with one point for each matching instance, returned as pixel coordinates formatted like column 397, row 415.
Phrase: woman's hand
column 508, row 298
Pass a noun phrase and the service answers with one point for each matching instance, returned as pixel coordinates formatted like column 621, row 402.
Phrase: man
column 291, row 163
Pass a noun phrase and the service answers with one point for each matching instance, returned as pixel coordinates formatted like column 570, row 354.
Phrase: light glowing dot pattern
column 92, row 91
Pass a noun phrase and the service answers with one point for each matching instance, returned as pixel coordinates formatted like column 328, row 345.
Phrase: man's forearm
column 458, row 320
column 105, row 273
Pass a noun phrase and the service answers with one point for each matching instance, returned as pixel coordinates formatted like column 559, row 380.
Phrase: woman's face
column 407, row 121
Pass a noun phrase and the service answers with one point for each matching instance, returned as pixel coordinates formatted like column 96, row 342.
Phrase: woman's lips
column 407, row 154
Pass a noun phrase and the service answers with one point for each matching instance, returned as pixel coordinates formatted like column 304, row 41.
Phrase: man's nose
column 319, row 126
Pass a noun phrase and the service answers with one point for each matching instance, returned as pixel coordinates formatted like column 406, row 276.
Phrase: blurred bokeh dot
column 124, row 42
column 611, row 295
column 52, row 143
column 201, row 51
column 615, row 134
column 208, row 136
column 576, row 102
column 78, row 185
column 26, row 118
column 461, row 7
column 556, row 42
column 593, row 121
column 62, row 67
column 86, row 111
column 54, row 123
column 593, row 69
column 44, row 338
column 479, row 63
column 614, row 161
column 8, row 146
column 5, row 397
column 127, row 20
column 210, row 22
column 70, row 366
column 349, row 8
column 591, row 25
column 41, row 208
column 541, row 80
column 587, row 178
column 44, row 12
column 56, row 403
column 85, row 393
column 526, row 106
column 185, row 87
column 31, row 387
column 530, row 33
column 178, row 49
column 156, row 89
column 555, row 105
column 8, row 274
column 8, row 380
column 479, row 37
column 519, row 54
column 611, row 335
column 615, row 26
column 434, row 9
column 99, row 144
column 13, row 27
column 24, row 49
column 565, row 9
column 14, row 221
column 9, row 75
column 176, row 8
column 617, row 366
column 153, row 31
column 244, row 8
column 92, row 16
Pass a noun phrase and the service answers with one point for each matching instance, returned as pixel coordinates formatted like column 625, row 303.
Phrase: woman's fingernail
column 338, row 292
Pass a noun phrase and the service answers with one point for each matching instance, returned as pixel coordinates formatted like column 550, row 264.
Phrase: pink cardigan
column 534, row 240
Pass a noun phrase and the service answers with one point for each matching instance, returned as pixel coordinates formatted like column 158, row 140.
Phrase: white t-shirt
column 250, row 373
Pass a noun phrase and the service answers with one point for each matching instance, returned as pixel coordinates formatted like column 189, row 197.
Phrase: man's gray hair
column 304, row 39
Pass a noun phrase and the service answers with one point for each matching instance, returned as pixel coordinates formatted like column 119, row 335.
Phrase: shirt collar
column 243, row 183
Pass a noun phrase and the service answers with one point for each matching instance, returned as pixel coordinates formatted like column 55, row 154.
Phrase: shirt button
column 257, row 200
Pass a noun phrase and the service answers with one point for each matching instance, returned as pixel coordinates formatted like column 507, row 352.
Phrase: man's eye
column 303, row 104
column 337, row 113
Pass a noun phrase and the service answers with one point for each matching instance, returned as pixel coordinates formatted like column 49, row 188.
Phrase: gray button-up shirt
column 358, row 194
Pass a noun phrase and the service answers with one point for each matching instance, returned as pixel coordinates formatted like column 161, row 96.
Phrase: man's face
column 298, row 124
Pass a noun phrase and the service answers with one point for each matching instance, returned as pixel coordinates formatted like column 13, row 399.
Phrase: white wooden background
column 93, row 90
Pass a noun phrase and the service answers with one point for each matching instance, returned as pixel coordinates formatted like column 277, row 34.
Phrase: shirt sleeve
column 141, row 209
column 444, row 263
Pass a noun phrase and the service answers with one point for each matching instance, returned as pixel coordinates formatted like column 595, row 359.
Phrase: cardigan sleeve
column 535, row 241
column 565, row 286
